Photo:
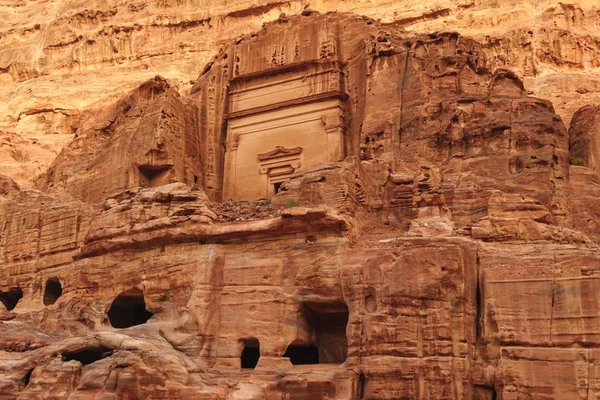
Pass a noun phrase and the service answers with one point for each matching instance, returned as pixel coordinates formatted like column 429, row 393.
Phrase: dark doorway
column 52, row 292
column 277, row 186
column 11, row 298
column 250, row 354
column 152, row 176
column 329, row 323
column 129, row 309
column 87, row 356
column 302, row 354
column 323, row 329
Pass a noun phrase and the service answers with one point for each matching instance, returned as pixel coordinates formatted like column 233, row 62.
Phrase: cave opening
column 153, row 176
column 250, row 354
column 11, row 298
column 27, row 377
column 52, row 291
column 321, row 335
column 302, row 353
column 88, row 355
column 129, row 309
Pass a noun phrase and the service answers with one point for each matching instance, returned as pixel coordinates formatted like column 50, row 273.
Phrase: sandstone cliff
column 327, row 207
column 59, row 58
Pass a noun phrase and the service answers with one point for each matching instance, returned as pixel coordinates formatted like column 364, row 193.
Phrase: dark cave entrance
column 88, row 355
column 52, row 292
column 129, row 309
column 152, row 176
column 11, row 298
column 302, row 354
column 27, row 377
column 322, row 335
column 250, row 354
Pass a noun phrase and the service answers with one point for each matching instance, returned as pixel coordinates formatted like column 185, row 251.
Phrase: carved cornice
column 279, row 152
column 315, row 65
column 309, row 99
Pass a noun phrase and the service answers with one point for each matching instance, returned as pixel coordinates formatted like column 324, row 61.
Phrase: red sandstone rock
column 376, row 214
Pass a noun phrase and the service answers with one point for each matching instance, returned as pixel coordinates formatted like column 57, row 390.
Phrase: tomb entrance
column 129, row 309
column 321, row 335
column 52, row 291
column 11, row 298
column 280, row 121
column 250, row 354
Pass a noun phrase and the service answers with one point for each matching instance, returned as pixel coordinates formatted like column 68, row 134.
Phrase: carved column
column 229, row 180
column 336, row 129
column 264, row 183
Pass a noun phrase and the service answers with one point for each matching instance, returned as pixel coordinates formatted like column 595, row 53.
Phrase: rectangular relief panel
column 284, row 86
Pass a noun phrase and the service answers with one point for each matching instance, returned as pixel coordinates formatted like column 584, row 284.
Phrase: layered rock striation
column 60, row 60
column 339, row 208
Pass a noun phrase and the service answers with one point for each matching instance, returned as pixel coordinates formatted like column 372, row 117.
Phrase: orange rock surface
column 379, row 203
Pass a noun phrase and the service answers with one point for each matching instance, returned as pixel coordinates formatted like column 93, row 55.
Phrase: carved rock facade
column 339, row 209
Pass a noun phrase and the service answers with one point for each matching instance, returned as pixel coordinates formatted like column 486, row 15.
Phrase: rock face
column 60, row 60
column 338, row 209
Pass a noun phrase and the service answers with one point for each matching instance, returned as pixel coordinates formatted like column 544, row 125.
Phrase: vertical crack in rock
column 402, row 84
column 552, row 308
column 361, row 386
column 27, row 377
column 478, row 315
column 553, row 298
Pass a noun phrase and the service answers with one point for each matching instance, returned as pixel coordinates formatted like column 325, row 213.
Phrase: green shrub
column 576, row 161
column 292, row 203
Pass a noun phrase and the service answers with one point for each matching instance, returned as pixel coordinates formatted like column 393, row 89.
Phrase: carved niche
column 277, row 166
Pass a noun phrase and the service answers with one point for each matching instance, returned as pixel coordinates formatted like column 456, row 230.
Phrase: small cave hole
column 27, row 377
column 277, row 187
column 87, row 356
column 52, row 291
column 250, row 354
column 302, row 354
column 370, row 303
column 11, row 298
column 129, row 309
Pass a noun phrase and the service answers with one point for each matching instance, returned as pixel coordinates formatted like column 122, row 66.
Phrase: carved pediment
column 279, row 152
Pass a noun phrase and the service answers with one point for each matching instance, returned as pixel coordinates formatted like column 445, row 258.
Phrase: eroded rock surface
column 339, row 209
column 60, row 60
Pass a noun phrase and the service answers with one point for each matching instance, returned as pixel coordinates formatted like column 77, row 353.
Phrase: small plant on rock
column 292, row 203
column 576, row 161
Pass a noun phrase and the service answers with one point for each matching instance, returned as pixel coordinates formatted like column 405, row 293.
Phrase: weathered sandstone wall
column 60, row 58
column 429, row 229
